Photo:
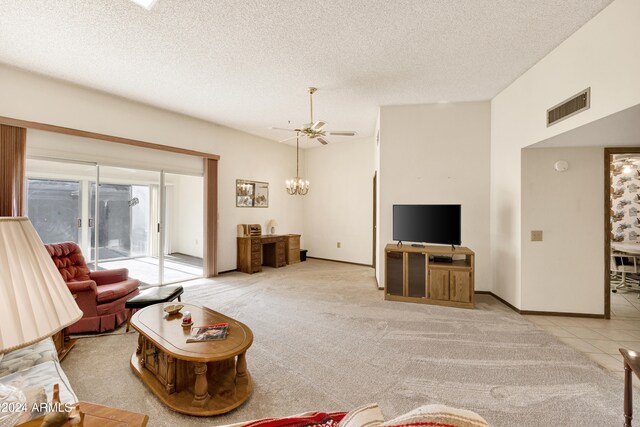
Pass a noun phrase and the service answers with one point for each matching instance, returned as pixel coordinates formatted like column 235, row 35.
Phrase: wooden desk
column 270, row 249
column 102, row 416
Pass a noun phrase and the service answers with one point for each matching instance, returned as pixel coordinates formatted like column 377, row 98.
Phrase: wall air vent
column 569, row 107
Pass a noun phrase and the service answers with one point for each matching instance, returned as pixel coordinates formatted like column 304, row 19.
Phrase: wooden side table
column 63, row 343
column 631, row 363
column 102, row 416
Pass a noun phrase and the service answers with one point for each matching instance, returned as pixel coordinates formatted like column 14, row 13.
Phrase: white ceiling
column 247, row 64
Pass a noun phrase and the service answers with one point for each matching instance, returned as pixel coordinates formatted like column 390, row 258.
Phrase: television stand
column 419, row 274
column 417, row 245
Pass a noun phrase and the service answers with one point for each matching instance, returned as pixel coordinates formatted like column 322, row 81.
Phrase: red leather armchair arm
column 86, row 293
column 107, row 277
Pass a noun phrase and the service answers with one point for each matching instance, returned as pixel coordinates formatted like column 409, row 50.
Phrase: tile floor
column 600, row 339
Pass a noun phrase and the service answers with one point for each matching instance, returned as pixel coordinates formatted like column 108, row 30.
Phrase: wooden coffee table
column 204, row 378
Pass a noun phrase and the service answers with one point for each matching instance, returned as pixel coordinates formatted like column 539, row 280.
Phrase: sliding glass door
column 183, row 231
column 149, row 222
column 54, row 205
column 127, row 216
column 56, row 200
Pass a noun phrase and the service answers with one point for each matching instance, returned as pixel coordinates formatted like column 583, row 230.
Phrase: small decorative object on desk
column 186, row 319
column 209, row 333
column 173, row 308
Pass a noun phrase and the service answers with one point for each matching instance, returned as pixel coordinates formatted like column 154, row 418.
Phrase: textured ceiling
column 247, row 64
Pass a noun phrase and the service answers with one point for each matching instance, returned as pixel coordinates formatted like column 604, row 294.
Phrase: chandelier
column 297, row 185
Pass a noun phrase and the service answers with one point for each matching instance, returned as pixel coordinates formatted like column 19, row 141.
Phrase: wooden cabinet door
column 150, row 355
column 439, row 284
column 460, row 289
column 395, row 273
column 416, row 275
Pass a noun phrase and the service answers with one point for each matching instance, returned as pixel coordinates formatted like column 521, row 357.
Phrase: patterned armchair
column 101, row 295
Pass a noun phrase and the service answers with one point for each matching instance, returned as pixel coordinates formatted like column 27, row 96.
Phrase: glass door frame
column 88, row 223
column 84, row 233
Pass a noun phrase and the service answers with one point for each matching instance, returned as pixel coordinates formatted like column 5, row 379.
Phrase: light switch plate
column 536, row 235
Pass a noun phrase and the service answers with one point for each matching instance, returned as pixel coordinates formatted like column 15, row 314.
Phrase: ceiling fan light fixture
column 147, row 4
column 318, row 125
column 342, row 133
column 297, row 185
column 315, row 129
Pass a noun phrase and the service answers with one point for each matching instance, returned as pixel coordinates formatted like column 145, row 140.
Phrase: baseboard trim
column 559, row 313
column 505, row 302
column 541, row 313
column 343, row 262
column 227, row 271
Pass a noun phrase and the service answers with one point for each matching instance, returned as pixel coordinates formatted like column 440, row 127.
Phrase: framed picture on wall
column 261, row 195
column 252, row 194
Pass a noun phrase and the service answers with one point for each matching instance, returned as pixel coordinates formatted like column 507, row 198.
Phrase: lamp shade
column 35, row 302
column 272, row 223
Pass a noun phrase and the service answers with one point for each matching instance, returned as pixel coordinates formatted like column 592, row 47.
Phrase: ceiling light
column 147, row 4
column 297, row 185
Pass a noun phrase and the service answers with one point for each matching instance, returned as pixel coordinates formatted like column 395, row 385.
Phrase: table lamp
column 35, row 302
column 272, row 226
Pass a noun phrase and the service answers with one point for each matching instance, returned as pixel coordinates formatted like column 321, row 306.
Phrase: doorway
column 622, row 232
column 375, row 220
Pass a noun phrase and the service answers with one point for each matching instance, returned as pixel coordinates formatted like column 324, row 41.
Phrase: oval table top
column 168, row 333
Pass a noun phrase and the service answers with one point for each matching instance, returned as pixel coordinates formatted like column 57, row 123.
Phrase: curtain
column 210, row 217
column 13, row 153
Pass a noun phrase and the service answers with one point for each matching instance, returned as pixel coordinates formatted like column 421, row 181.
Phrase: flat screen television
column 438, row 224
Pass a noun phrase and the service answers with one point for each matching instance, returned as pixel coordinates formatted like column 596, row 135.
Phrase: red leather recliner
column 99, row 294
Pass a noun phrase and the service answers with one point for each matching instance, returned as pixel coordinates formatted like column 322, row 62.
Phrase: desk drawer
column 294, row 246
column 293, row 256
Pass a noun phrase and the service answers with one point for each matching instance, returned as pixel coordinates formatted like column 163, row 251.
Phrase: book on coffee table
column 208, row 333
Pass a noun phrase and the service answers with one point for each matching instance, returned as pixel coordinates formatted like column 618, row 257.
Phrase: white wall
column 188, row 214
column 33, row 97
column 603, row 55
column 438, row 154
column 338, row 207
column 568, row 208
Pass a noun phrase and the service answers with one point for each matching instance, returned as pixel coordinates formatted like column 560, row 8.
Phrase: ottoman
column 152, row 296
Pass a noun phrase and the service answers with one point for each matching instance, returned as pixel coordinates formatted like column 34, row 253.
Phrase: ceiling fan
column 314, row 130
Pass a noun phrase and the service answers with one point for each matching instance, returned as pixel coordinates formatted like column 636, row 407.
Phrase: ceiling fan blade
column 342, row 133
column 288, row 130
column 322, row 140
column 318, row 125
column 287, row 139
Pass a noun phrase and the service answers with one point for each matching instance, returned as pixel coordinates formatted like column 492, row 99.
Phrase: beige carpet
column 326, row 340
